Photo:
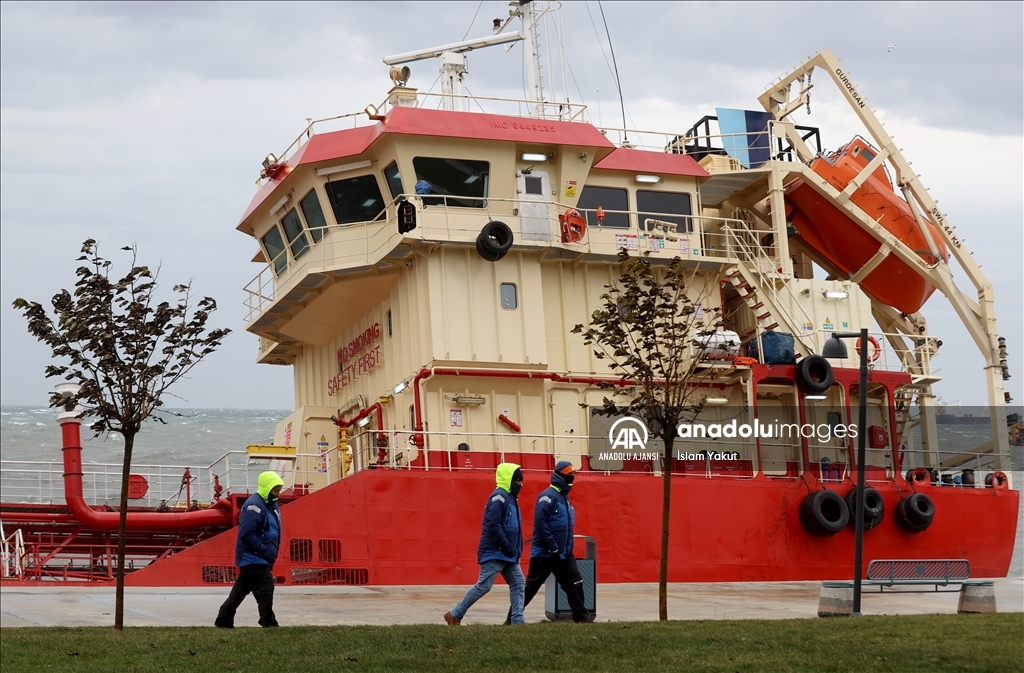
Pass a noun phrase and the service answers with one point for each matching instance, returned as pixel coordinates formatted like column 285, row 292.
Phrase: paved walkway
column 92, row 606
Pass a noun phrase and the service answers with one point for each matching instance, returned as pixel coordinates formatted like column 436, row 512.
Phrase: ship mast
column 535, row 17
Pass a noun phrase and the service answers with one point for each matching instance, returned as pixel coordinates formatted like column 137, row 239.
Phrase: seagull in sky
column 891, row 47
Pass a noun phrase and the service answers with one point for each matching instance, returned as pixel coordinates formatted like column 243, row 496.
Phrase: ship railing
column 13, row 552
column 981, row 465
column 510, row 107
column 882, row 356
column 736, row 151
column 172, row 486
column 745, row 244
column 695, row 237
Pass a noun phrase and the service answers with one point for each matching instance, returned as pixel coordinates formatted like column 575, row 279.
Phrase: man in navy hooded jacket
column 551, row 545
column 259, row 537
column 501, row 545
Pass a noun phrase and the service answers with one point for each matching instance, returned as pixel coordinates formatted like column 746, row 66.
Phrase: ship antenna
column 618, row 85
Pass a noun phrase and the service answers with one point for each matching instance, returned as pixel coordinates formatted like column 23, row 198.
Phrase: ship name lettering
column 849, row 87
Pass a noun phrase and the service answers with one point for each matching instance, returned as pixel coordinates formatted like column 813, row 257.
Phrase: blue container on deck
column 778, row 349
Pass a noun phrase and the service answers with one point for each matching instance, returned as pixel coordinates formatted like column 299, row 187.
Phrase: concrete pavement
column 60, row 605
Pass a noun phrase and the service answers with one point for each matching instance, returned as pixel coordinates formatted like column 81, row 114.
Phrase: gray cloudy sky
column 147, row 123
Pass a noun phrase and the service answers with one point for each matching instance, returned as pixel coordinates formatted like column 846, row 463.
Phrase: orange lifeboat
column 844, row 243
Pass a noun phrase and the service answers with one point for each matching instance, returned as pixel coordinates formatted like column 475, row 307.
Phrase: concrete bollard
column 976, row 597
column 836, row 599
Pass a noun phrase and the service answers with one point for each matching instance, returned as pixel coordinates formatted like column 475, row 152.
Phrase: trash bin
column 556, row 603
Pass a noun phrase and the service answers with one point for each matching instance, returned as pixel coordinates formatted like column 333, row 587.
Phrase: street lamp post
column 836, row 349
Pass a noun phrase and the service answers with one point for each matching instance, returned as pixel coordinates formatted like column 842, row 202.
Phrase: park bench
column 911, row 575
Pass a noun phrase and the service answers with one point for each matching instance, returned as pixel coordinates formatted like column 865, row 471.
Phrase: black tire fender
column 874, row 507
column 824, row 513
column 814, row 374
column 494, row 240
column 914, row 513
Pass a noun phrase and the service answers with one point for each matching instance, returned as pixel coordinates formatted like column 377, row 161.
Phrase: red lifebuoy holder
column 872, row 355
column 574, row 226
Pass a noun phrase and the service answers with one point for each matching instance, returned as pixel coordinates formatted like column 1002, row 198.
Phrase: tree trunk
column 122, row 526
column 666, row 476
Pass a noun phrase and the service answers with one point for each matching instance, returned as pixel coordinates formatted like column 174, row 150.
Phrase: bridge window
column 394, row 180
column 664, row 206
column 356, row 199
column 452, row 178
column 613, row 201
column 296, row 236
column 314, row 214
column 274, row 246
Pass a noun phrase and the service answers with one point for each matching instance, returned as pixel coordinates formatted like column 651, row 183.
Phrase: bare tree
column 649, row 329
column 125, row 350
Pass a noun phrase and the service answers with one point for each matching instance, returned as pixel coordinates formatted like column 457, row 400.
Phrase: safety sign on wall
column 455, row 417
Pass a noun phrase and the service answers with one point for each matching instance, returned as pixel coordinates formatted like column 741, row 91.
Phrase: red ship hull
column 400, row 527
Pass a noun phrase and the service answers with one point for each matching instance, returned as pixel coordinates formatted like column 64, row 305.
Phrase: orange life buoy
column 920, row 475
column 872, row 355
column 574, row 226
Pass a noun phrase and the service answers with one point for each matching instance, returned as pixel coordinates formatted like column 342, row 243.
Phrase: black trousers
column 257, row 579
column 567, row 574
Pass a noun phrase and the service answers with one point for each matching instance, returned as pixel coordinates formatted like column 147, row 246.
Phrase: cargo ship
column 422, row 264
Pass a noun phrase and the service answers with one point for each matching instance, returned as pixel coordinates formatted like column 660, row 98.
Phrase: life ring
column 494, row 241
column 824, row 513
column 872, row 355
column 919, row 475
column 574, row 226
column 998, row 481
column 814, row 375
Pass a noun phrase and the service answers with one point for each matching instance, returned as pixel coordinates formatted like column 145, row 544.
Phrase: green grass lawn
column 925, row 643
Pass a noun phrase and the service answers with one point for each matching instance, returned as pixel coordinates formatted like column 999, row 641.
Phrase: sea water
column 199, row 437
column 194, row 437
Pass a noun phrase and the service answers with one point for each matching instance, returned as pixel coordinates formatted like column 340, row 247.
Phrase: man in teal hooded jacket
column 259, row 537
column 501, row 545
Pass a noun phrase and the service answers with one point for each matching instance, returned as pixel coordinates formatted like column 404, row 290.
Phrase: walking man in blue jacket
column 259, row 537
column 501, row 545
column 551, row 545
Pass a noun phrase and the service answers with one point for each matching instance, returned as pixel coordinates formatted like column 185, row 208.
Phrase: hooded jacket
column 501, row 537
column 553, row 521
column 259, row 525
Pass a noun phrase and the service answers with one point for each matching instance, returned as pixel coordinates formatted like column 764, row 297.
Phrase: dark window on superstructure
column 274, row 245
column 610, row 199
column 664, row 206
column 534, row 185
column 394, row 180
column 509, row 296
column 356, row 199
column 314, row 214
column 390, row 332
column 452, row 178
column 296, row 236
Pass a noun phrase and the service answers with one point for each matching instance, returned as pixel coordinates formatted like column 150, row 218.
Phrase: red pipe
column 363, row 413
column 219, row 515
column 417, row 406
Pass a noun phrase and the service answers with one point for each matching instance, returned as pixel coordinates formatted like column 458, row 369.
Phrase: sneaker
column 451, row 620
column 507, row 622
column 222, row 625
